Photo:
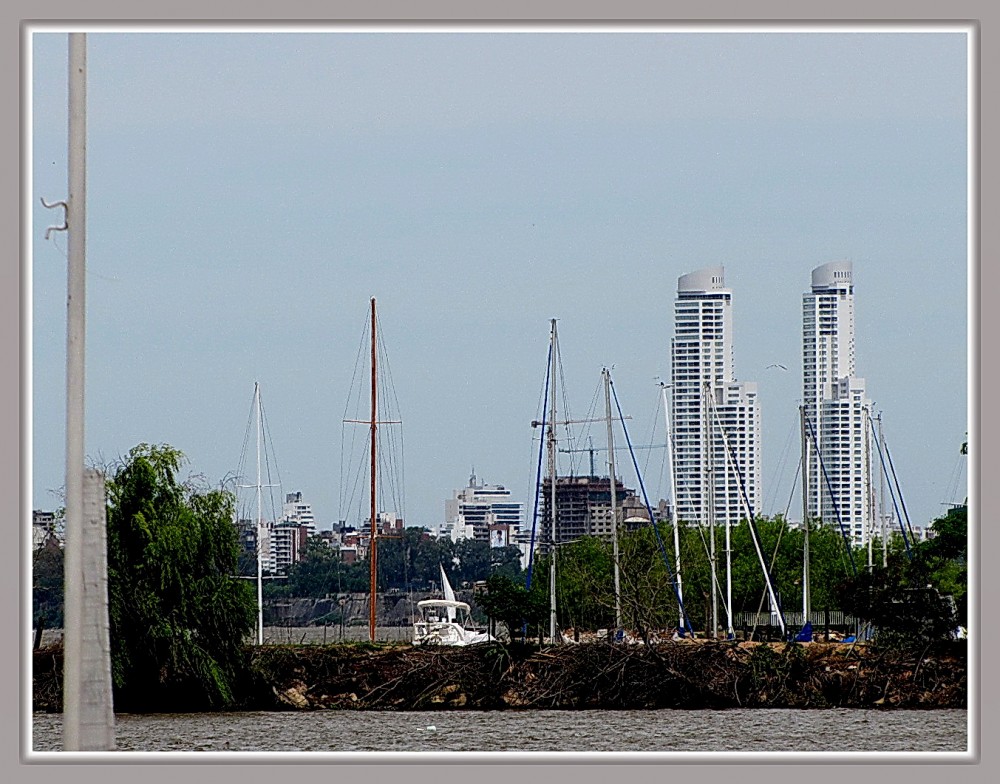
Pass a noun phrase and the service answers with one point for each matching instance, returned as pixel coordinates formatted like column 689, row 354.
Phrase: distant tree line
column 409, row 562
column 920, row 594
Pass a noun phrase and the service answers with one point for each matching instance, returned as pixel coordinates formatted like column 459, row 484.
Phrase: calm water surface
column 757, row 730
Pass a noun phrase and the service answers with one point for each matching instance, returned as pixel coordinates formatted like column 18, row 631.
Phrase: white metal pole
column 673, row 511
column 753, row 536
column 729, row 563
column 729, row 568
column 614, row 500
column 552, row 475
column 806, row 598
column 710, row 510
column 881, row 486
column 260, row 526
column 869, row 506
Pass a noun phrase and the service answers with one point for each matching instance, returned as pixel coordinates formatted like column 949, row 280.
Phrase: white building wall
column 835, row 404
column 267, row 549
column 299, row 512
column 472, row 510
column 702, row 354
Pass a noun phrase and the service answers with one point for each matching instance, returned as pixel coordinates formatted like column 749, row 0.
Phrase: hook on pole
column 65, row 223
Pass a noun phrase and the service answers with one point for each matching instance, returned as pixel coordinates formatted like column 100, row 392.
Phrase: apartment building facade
column 835, row 404
column 715, row 419
column 483, row 512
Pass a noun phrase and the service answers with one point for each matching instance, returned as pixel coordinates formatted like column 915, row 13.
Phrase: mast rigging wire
column 833, row 500
column 754, row 533
column 538, row 475
column 879, row 444
column 649, row 510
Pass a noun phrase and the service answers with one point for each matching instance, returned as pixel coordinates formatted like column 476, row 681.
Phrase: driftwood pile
column 682, row 674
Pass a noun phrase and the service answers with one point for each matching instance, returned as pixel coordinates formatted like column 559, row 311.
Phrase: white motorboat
column 446, row 621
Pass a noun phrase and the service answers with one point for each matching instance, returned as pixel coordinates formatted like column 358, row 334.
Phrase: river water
column 736, row 730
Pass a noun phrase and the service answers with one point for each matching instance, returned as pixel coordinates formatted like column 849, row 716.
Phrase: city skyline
column 240, row 221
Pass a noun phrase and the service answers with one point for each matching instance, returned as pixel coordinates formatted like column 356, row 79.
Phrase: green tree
column 648, row 597
column 179, row 616
column 473, row 563
column 428, row 556
column 410, row 560
column 506, row 561
column 47, row 585
column 585, row 572
column 321, row 571
column 506, row 600
column 946, row 557
column 918, row 596
column 830, row 565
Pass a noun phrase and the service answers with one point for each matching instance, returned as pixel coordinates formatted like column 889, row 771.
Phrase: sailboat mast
column 710, row 509
column 372, row 547
column 673, row 510
column 881, row 505
column 552, row 477
column 806, row 598
column 614, row 500
column 869, row 500
column 729, row 561
column 260, row 523
column 729, row 569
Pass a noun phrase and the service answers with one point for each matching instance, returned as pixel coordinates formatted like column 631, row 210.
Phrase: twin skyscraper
column 716, row 420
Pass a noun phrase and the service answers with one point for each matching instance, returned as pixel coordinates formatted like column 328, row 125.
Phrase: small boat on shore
column 446, row 621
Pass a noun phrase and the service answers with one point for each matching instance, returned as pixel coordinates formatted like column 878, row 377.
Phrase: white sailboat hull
column 440, row 621
column 446, row 633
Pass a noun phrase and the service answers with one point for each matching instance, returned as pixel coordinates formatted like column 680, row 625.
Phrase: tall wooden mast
column 372, row 547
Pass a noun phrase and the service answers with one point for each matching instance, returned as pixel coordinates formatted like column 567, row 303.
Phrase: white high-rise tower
column 709, row 407
column 835, row 404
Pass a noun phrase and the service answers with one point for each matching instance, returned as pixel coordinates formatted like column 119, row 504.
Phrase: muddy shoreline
column 680, row 674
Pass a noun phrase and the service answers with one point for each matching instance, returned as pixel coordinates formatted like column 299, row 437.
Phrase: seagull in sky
column 777, row 365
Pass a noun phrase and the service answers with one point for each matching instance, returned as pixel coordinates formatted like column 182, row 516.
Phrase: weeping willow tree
column 179, row 616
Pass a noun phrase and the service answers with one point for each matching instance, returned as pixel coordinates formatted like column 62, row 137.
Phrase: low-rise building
column 486, row 513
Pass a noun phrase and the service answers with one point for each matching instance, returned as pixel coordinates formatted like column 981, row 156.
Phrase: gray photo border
column 978, row 14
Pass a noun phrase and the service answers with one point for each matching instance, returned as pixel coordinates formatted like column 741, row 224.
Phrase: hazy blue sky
column 248, row 194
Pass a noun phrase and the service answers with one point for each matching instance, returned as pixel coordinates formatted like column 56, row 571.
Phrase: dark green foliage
column 585, row 573
column 773, row 671
column 47, row 585
column 920, row 597
column 179, row 615
column 410, row 561
column 649, row 601
column 647, row 591
column 424, row 559
column 946, row 557
column 320, row 572
column 506, row 600
column 899, row 603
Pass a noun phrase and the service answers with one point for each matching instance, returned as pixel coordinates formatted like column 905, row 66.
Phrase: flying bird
column 777, row 365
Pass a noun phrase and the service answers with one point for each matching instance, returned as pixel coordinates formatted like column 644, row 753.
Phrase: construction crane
column 592, row 449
